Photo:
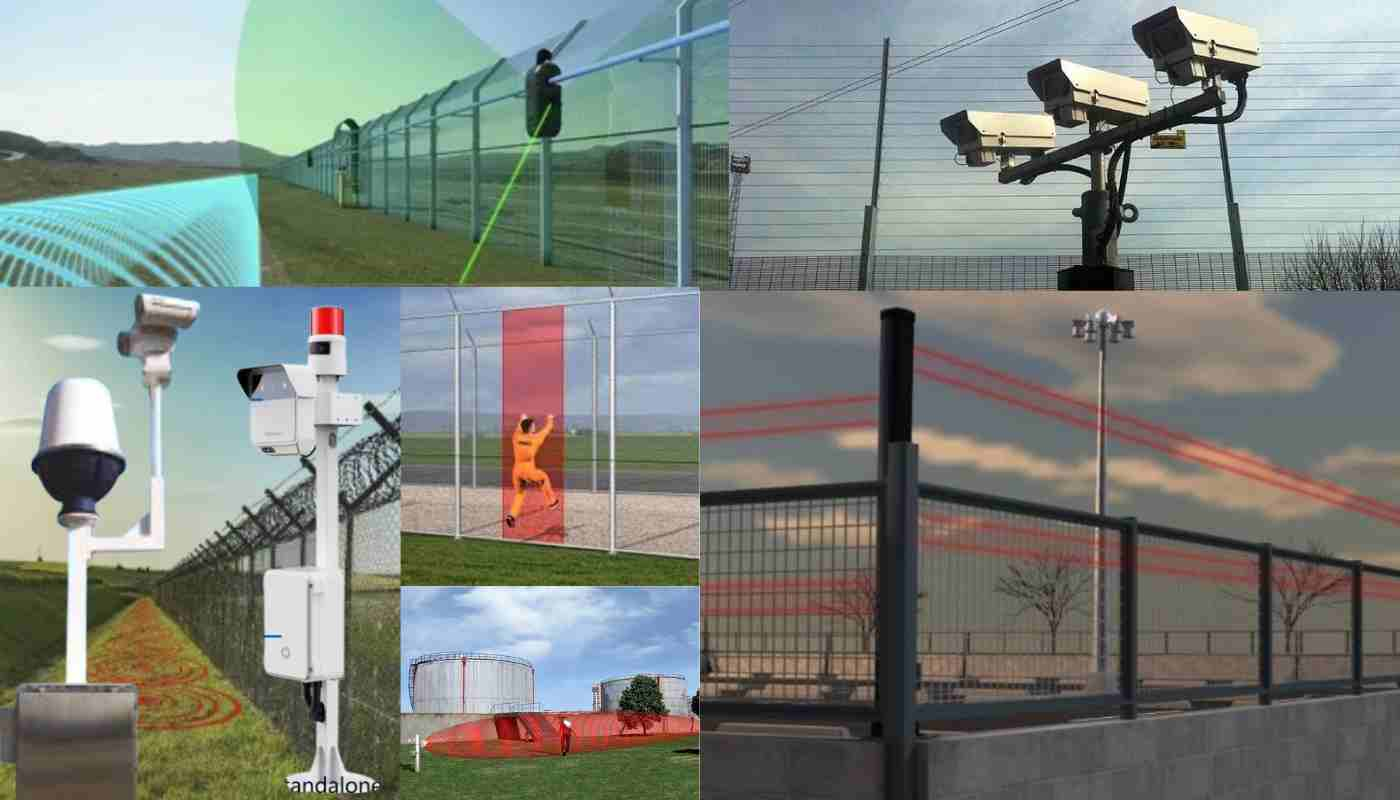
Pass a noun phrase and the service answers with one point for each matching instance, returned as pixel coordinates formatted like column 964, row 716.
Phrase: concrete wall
column 426, row 725
column 1333, row 749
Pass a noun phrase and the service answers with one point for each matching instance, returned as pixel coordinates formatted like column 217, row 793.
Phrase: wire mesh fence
column 470, row 372
column 1276, row 271
column 601, row 198
column 1008, row 612
column 215, row 594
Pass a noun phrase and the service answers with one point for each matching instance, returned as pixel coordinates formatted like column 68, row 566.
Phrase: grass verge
column 442, row 561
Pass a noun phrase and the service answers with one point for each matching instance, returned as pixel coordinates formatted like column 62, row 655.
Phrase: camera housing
column 79, row 458
column 281, row 408
column 159, row 320
column 1193, row 47
column 1075, row 94
column 986, row 137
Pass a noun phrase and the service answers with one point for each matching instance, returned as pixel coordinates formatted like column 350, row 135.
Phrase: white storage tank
column 607, row 694
column 470, row 683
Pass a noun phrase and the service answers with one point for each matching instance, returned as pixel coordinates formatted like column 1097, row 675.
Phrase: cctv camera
column 281, row 411
column 1075, row 94
column 1193, row 47
column 165, row 312
column 79, row 458
column 985, row 137
column 152, row 338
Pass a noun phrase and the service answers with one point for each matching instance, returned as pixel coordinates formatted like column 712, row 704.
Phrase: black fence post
column 1127, row 627
column 1357, row 656
column 1266, row 623
column 897, row 531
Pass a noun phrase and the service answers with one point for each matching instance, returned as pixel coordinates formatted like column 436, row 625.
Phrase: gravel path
column 647, row 523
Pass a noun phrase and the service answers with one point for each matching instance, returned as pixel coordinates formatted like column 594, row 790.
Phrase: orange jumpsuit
column 525, row 472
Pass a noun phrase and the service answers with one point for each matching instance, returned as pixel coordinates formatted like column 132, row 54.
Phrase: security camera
column 986, row 137
column 1075, row 94
column 79, row 458
column 152, row 337
column 1193, row 47
column 281, row 408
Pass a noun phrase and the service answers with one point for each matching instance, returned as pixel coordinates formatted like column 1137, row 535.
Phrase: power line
column 1002, row 27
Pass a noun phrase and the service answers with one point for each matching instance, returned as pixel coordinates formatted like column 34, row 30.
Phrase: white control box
column 304, row 624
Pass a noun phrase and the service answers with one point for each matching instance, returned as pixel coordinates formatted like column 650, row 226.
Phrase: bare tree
column 1052, row 585
column 1364, row 260
column 858, row 601
column 1299, row 587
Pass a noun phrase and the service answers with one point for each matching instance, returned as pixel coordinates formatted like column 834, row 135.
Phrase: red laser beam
column 788, row 430
column 1005, row 377
column 1174, row 452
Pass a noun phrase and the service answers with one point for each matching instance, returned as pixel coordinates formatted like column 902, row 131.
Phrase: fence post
column 1266, row 623
column 897, row 553
column 1357, row 636
column 897, row 582
column 546, row 202
column 1127, row 625
column 685, row 149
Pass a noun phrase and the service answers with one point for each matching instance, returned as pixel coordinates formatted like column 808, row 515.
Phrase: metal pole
column 896, row 380
column 1266, row 623
column 1232, row 209
column 475, row 403
column 593, row 449
column 1127, row 625
column 475, row 193
column 1100, row 646
column 75, row 657
column 612, row 428
column 898, row 583
column 867, row 237
column 1357, row 635
column 546, row 202
column 685, row 150
column 456, row 426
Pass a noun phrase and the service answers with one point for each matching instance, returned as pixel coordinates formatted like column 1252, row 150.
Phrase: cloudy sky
column 211, row 467
column 1311, row 154
column 574, row 637
column 658, row 349
column 277, row 74
column 1298, row 380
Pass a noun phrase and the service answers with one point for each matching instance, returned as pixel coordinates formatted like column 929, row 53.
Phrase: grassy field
column 443, row 561
column 239, row 756
column 32, row 179
column 33, row 605
column 666, row 451
column 663, row 771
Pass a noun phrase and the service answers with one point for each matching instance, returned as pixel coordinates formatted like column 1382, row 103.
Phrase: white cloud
column 1189, row 344
column 749, row 474
column 70, row 343
column 20, row 426
column 1364, row 462
column 1135, row 473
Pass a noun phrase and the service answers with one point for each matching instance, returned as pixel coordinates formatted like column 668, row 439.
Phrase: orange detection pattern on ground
column 173, row 686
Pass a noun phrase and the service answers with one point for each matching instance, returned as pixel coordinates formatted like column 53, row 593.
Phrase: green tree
column 641, row 704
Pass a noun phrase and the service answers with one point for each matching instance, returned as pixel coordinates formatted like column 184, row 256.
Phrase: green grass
column 34, row 606
column 660, row 451
column 246, row 758
column 443, row 561
column 663, row 771
column 310, row 240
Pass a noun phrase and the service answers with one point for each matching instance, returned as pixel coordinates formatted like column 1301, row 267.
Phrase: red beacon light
column 327, row 321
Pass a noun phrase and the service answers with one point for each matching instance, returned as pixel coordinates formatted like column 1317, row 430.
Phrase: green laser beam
column 490, row 223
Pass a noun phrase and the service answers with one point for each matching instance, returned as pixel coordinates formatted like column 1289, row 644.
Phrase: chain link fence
column 1277, row 271
column 215, row 594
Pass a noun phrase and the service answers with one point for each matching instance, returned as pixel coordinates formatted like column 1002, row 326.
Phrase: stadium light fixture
column 1190, row 48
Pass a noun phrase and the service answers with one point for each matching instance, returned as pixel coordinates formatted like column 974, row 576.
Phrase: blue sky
column 211, row 467
column 162, row 70
column 1310, row 154
column 657, row 374
column 574, row 637
column 1301, row 380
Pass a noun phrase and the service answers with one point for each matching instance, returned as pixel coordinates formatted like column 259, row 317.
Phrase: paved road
column 680, row 481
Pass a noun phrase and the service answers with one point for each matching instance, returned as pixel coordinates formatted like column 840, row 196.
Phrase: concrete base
column 1080, row 279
